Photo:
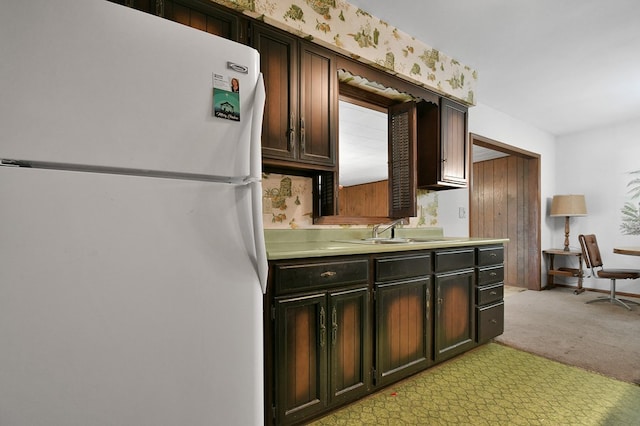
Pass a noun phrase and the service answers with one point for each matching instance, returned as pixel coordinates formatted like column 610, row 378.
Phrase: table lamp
column 567, row 206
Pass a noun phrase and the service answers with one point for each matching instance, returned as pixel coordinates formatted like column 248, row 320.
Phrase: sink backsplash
column 287, row 204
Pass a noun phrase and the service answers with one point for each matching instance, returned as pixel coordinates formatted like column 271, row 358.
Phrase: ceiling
column 564, row 66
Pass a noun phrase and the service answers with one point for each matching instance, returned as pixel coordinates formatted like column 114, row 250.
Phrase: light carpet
column 558, row 325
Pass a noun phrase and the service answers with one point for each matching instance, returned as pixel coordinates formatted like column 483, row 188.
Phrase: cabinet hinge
column 273, row 312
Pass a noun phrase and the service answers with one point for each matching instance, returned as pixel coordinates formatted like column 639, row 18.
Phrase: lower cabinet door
column 403, row 327
column 349, row 343
column 454, row 321
column 301, row 357
column 321, row 355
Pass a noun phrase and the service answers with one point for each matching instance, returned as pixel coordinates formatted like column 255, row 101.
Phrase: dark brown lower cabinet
column 489, row 293
column 338, row 328
column 301, row 357
column 349, row 345
column 454, row 317
column 321, row 341
column 402, row 329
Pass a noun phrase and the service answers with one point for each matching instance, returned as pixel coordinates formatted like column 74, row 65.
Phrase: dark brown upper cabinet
column 300, row 119
column 200, row 14
column 206, row 16
column 443, row 149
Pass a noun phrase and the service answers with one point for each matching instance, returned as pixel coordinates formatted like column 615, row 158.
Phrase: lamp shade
column 568, row 205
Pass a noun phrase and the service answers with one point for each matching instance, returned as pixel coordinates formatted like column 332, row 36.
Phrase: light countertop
column 303, row 243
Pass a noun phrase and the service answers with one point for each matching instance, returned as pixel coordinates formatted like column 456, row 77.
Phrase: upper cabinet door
column 299, row 129
column 205, row 17
column 402, row 160
column 443, row 152
column 318, row 104
column 278, row 63
column 455, row 152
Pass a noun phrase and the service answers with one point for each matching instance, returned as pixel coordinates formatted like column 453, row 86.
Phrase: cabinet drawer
column 490, row 275
column 490, row 255
column 490, row 294
column 490, row 321
column 309, row 276
column 451, row 260
column 397, row 268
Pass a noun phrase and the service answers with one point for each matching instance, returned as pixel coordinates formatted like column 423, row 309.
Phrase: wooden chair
column 592, row 258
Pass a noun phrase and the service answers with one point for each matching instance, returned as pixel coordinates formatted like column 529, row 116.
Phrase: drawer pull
column 494, row 321
column 492, row 274
column 493, row 293
column 493, row 254
column 334, row 326
column 323, row 327
column 327, row 274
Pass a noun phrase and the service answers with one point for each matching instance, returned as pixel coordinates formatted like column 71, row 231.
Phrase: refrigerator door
column 256, row 186
column 94, row 83
column 127, row 301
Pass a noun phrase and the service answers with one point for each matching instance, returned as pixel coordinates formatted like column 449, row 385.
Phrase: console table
column 563, row 271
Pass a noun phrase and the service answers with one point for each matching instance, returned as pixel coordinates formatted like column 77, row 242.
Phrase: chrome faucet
column 386, row 226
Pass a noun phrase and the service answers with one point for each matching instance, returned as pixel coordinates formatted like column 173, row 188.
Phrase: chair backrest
column 590, row 251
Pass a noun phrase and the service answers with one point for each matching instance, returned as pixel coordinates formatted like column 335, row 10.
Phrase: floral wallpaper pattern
column 336, row 24
column 631, row 211
column 342, row 26
column 287, row 203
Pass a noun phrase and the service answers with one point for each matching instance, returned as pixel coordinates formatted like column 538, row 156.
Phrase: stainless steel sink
column 410, row 240
column 429, row 239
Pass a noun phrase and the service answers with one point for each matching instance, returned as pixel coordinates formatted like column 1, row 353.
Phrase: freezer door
column 127, row 301
column 95, row 83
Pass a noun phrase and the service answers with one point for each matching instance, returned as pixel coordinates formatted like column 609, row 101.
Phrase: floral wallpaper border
column 350, row 30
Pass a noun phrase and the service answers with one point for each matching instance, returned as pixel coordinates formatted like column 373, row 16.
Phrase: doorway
column 504, row 202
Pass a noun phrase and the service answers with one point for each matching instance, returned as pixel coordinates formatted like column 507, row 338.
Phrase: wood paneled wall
column 367, row 199
column 501, row 207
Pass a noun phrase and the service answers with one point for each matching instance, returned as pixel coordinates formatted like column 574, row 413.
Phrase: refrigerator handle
column 255, row 170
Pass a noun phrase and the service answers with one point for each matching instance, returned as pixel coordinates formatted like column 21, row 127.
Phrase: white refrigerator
column 132, row 260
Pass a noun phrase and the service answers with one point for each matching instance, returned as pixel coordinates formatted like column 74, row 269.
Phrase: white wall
column 597, row 163
column 449, row 204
